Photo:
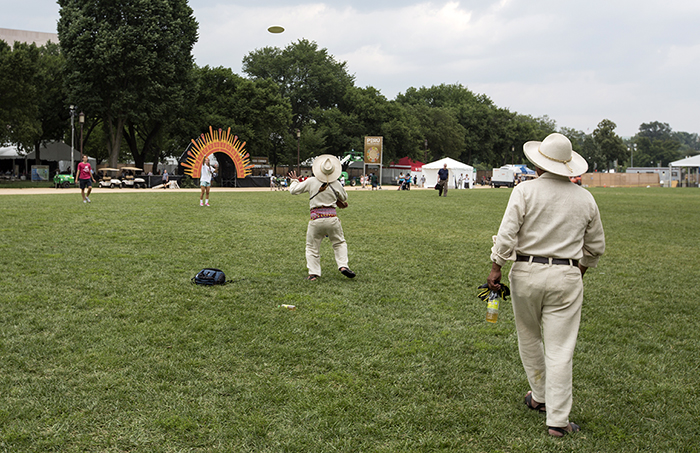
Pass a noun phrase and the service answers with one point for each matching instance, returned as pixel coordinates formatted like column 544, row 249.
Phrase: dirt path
column 101, row 191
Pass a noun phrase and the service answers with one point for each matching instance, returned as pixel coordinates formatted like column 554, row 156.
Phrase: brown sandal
column 574, row 428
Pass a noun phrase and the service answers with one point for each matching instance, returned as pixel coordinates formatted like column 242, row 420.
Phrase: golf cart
column 106, row 178
column 131, row 180
column 63, row 180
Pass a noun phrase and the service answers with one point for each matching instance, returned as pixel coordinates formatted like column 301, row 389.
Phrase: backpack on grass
column 210, row 276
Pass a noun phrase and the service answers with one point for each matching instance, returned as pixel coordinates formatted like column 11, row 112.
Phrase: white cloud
column 577, row 62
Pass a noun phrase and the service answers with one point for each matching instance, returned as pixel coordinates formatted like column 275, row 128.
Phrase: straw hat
column 555, row 155
column 327, row 168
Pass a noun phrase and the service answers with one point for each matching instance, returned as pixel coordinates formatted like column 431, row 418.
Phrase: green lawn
column 106, row 346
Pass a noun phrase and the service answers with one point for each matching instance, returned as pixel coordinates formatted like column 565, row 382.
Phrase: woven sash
column 319, row 213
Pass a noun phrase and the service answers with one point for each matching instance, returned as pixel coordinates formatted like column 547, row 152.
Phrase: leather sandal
column 347, row 272
column 563, row 431
column 311, row 278
column 540, row 407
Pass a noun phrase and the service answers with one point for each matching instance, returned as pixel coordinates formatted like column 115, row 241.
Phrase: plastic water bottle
column 492, row 304
column 288, row 307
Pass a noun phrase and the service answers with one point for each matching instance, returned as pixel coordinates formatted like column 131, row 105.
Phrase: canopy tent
column 693, row 161
column 49, row 152
column 688, row 162
column 523, row 170
column 10, row 152
column 406, row 163
column 456, row 169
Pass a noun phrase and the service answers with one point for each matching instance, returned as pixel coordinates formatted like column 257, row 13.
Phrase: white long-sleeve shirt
column 552, row 217
column 312, row 185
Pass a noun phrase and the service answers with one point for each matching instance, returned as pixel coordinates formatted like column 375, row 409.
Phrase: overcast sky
column 576, row 61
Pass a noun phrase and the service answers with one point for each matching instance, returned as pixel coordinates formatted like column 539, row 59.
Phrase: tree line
column 129, row 68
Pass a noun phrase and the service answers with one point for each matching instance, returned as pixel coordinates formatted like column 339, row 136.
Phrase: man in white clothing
column 326, row 193
column 552, row 230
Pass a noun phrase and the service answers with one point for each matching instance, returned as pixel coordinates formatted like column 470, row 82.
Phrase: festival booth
column 522, row 173
column 405, row 165
column 690, row 163
column 53, row 155
column 456, row 169
column 522, row 170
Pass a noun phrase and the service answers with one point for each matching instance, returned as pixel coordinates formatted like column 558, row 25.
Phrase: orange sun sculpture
column 217, row 142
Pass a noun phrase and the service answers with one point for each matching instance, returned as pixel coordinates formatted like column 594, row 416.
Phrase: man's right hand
column 494, row 278
column 293, row 175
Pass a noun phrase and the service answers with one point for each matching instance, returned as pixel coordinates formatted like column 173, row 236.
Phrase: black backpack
column 210, row 276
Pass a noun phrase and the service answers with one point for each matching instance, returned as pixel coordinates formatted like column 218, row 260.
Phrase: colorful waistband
column 319, row 213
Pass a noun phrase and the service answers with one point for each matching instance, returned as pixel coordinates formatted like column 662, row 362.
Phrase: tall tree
column 127, row 61
column 690, row 143
column 254, row 110
column 309, row 77
column 53, row 113
column 611, row 145
column 19, row 108
column 363, row 111
column 656, row 145
column 442, row 130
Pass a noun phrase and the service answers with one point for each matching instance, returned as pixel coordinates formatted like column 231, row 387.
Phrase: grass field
column 106, row 346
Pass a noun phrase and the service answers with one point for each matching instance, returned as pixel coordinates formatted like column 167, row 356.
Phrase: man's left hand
column 583, row 269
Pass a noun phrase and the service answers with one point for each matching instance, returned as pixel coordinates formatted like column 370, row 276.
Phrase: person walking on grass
column 326, row 194
column 85, row 178
column 552, row 230
column 205, row 182
column 443, row 179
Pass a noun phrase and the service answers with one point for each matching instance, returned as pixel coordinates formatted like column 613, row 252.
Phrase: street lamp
column 298, row 148
column 81, row 120
column 72, row 137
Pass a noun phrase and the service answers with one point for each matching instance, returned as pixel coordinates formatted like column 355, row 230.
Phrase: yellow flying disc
column 275, row 29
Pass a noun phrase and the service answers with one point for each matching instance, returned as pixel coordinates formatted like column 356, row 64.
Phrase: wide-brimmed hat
column 327, row 168
column 556, row 155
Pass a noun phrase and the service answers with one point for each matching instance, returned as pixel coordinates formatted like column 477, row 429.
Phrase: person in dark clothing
column 443, row 176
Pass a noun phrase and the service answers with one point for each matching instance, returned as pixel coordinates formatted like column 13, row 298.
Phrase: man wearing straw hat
column 325, row 194
column 552, row 230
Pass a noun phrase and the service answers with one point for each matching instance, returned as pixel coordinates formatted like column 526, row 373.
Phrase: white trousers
column 547, row 302
column 317, row 230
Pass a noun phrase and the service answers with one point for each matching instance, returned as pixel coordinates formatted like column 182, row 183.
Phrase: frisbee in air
column 275, row 29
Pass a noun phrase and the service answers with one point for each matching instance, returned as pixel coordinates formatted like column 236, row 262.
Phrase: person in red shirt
column 85, row 178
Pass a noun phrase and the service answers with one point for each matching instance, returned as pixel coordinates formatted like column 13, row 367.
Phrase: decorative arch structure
column 217, row 142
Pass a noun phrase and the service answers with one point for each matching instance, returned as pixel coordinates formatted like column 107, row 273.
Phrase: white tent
column 10, row 153
column 52, row 151
column 693, row 161
column 688, row 162
column 456, row 168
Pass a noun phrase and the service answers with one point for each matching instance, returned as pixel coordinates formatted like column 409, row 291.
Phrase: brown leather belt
column 543, row 260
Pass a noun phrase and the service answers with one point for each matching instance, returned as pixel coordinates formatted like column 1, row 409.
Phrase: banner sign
column 373, row 150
